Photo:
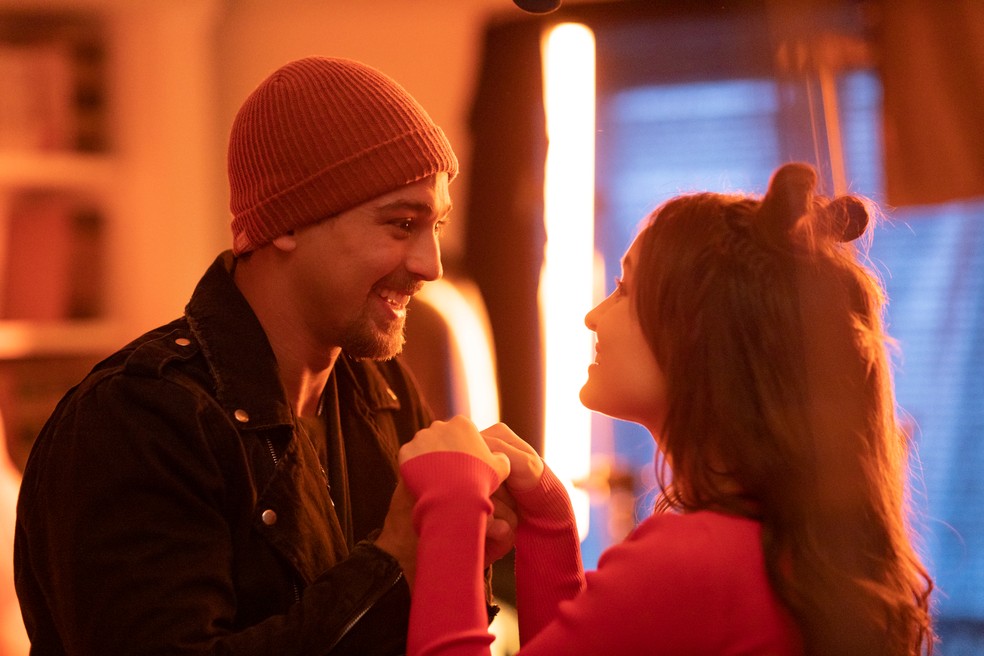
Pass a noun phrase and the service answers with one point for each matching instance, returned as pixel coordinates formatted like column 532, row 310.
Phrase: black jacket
column 173, row 504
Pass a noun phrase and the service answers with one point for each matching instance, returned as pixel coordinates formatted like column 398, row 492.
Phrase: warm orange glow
column 23, row 339
column 567, row 279
column 475, row 392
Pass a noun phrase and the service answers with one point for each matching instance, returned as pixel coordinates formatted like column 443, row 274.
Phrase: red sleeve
column 447, row 613
column 678, row 586
column 548, row 555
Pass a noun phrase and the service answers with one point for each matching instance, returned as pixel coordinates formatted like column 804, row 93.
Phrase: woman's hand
column 460, row 435
column 525, row 464
column 457, row 434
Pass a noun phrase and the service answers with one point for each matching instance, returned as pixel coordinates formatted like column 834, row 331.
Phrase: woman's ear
column 285, row 242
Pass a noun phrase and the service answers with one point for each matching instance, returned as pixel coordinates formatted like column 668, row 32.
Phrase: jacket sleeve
column 131, row 521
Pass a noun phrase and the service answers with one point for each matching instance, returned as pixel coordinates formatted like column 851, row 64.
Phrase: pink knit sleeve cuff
column 545, row 505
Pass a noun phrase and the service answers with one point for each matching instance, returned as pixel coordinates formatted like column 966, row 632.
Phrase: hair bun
column 847, row 217
column 789, row 197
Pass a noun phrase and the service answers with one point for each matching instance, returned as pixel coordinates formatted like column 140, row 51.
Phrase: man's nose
column 424, row 258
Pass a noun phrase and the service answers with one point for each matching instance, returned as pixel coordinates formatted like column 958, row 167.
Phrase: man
column 214, row 486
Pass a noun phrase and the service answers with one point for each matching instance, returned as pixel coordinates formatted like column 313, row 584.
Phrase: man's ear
column 286, row 242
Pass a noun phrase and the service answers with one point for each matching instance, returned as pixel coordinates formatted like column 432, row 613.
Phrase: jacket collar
column 238, row 353
column 242, row 361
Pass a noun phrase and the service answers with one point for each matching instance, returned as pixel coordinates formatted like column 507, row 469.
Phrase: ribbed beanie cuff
column 321, row 136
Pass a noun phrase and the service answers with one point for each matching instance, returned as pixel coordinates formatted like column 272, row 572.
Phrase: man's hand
column 398, row 538
column 500, row 532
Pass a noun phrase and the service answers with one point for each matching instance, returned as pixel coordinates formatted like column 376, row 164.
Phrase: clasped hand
column 513, row 460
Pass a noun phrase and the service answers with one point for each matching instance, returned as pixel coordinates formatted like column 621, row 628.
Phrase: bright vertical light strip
column 567, row 280
column 473, row 359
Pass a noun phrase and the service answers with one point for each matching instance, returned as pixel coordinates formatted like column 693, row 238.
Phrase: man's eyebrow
column 418, row 207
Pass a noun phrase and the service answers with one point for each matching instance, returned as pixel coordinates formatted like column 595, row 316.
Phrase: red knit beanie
column 320, row 136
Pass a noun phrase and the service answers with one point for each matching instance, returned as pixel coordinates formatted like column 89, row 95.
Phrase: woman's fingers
column 457, row 434
column 525, row 464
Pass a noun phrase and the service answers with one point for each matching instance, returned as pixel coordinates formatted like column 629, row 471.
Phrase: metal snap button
column 269, row 517
column 241, row 415
column 182, row 341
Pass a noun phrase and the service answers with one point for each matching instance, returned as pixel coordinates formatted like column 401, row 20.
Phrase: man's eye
column 403, row 224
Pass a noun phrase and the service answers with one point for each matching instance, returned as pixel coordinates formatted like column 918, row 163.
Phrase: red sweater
column 679, row 584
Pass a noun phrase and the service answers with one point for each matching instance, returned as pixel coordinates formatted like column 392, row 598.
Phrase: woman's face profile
column 625, row 381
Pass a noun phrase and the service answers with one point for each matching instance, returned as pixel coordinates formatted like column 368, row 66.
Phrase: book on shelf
column 50, row 258
column 36, row 103
column 52, row 80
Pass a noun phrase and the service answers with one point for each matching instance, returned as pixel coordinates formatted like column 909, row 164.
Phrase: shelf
column 61, row 170
column 90, row 197
column 27, row 339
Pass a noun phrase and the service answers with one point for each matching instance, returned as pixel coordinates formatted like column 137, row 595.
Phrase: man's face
column 353, row 274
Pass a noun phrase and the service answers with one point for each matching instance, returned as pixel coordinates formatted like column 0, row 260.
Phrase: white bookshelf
column 20, row 340
column 137, row 161
column 63, row 169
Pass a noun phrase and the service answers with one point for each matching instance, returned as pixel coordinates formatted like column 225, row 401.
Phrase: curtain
column 932, row 68
column 505, row 233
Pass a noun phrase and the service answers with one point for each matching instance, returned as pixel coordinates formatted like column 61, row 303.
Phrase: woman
column 745, row 335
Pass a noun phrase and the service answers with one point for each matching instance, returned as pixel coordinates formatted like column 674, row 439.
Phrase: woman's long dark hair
column 769, row 331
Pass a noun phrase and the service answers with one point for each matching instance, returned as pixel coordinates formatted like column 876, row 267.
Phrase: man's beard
column 364, row 341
